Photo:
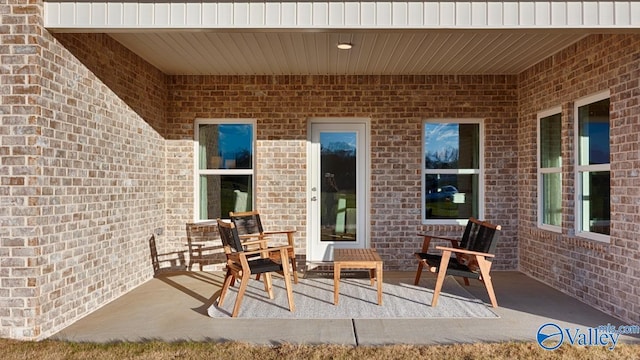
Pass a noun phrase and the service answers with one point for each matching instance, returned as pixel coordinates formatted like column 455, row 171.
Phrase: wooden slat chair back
column 473, row 256
column 241, row 264
column 248, row 223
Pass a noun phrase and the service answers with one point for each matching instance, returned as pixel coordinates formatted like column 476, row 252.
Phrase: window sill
column 606, row 239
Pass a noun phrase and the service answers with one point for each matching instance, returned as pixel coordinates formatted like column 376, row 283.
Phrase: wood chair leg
column 489, row 285
column 225, row 286
column 287, row 283
column 379, row 280
column 243, row 287
column 268, row 285
column 294, row 267
column 419, row 272
column 292, row 256
column 485, row 267
column 442, row 271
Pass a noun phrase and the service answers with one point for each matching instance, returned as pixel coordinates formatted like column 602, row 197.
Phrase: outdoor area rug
column 313, row 298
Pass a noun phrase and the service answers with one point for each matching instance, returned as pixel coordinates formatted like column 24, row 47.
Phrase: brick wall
column 82, row 173
column 396, row 106
column 97, row 164
column 604, row 275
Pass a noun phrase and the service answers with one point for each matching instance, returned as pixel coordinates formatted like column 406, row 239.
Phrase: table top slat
column 356, row 255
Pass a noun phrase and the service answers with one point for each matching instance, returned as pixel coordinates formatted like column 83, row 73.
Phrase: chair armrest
column 267, row 250
column 277, row 232
column 262, row 241
column 464, row 251
column 250, row 236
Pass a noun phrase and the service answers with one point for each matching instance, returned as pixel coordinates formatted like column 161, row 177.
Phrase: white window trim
column 581, row 168
column 541, row 170
column 480, row 171
column 197, row 172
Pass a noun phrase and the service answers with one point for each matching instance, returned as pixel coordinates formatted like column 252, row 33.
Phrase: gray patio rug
column 313, row 298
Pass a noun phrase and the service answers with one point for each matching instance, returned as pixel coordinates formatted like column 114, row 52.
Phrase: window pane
column 593, row 132
column 451, row 196
column 550, row 142
column 552, row 199
column 220, row 194
column 596, row 211
column 226, row 146
column 338, row 200
column 451, row 146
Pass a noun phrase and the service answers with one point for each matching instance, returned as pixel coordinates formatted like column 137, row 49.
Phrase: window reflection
column 551, row 141
column 593, row 128
column 338, row 189
column 594, row 167
column 220, row 194
column 451, row 196
column 224, row 156
column 451, row 146
column 226, row 146
column 596, row 198
column 552, row 199
column 451, row 170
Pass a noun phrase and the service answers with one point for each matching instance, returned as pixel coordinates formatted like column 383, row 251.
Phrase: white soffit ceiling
column 299, row 37
column 407, row 52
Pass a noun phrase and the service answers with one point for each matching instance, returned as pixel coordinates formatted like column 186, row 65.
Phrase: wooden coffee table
column 357, row 259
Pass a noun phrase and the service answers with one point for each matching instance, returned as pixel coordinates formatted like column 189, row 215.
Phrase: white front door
column 337, row 187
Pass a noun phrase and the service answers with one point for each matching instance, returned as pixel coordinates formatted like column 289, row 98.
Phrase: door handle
column 313, row 198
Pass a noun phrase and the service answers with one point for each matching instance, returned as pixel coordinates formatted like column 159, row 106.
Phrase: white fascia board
column 250, row 14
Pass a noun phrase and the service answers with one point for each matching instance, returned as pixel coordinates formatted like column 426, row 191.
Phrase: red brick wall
column 604, row 275
column 396, row 106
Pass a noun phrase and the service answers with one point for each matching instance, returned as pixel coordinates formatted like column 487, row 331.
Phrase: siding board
column 62, row 14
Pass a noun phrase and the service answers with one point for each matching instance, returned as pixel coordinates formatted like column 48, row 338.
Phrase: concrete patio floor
column 173, row 307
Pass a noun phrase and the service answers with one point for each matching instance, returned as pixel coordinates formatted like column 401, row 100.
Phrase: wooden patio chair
column 249, row 224
column 425, row 258
column 473, row 255
column 241, row 264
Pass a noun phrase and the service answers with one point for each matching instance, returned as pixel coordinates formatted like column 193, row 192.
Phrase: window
column 452, row 155
column 593, row 212
column 550, row 170
column 224, row 167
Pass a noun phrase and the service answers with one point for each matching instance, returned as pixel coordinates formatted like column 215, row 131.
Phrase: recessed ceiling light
column 344, row 46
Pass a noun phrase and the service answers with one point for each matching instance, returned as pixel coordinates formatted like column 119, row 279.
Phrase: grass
column 12, row 349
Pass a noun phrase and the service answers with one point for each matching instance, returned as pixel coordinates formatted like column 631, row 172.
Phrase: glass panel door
column 337, row 200
column 338, row 197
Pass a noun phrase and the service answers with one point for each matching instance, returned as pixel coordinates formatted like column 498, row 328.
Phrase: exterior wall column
column 21, row 167
column 82, row 171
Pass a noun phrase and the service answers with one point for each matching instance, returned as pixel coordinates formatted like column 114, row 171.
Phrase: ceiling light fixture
column 344, row 46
